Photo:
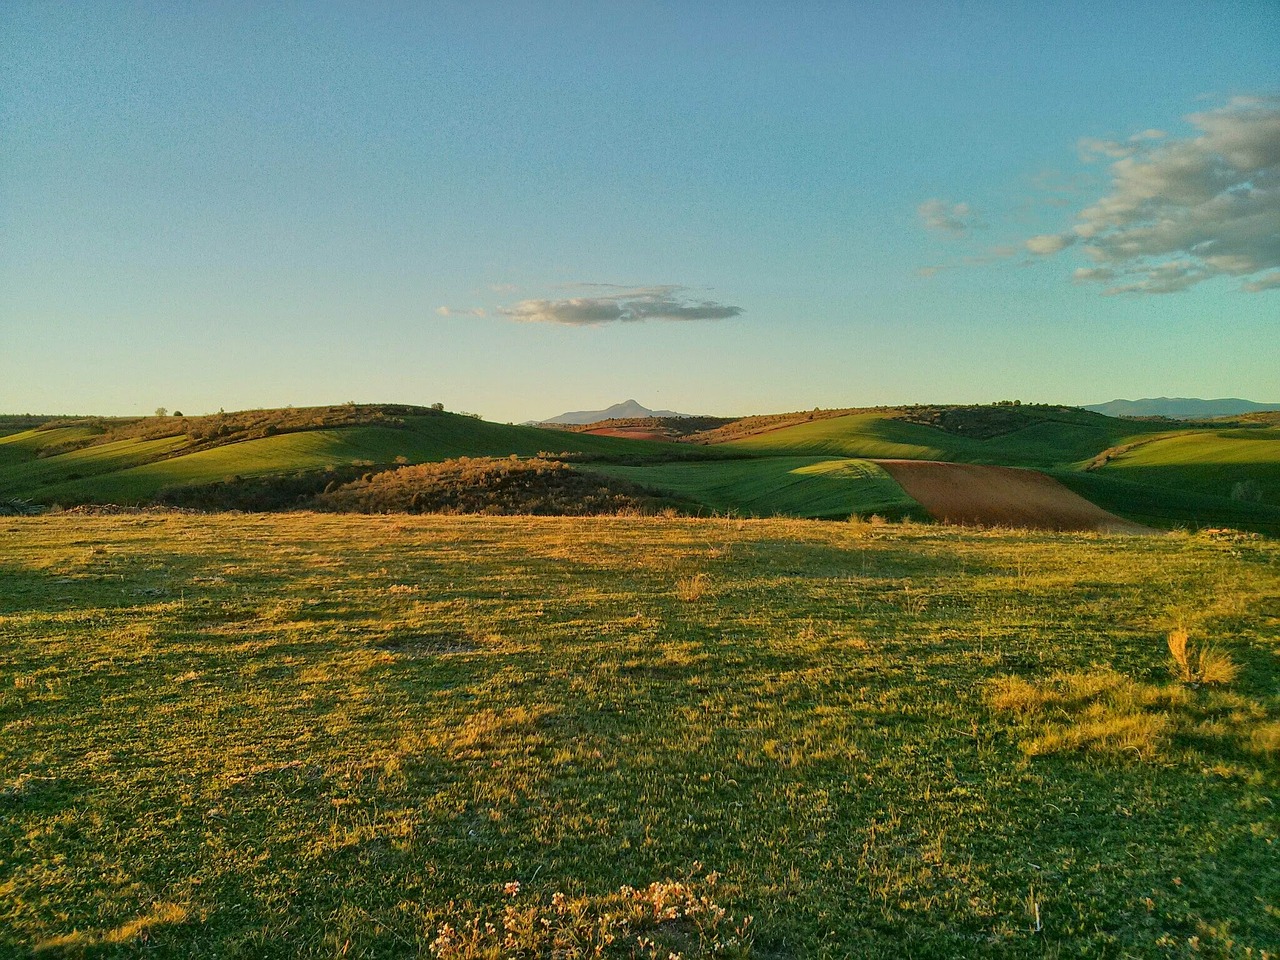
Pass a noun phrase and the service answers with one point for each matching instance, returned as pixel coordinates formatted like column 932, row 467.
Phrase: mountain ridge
column 1180, row 408
column 626, row 410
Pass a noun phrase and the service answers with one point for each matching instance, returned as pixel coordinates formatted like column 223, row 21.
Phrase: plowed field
column 1000, row 496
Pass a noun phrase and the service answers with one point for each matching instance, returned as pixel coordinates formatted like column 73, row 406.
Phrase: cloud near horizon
column 628, row 305
column 1181, row 211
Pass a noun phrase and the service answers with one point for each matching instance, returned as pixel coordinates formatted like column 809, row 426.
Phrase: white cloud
column 1047, row 244
column 1180, row 211
column 954, row 218
column 628, row 305
column 457, row 312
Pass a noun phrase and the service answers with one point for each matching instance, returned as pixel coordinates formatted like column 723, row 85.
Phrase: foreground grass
column 290, row 735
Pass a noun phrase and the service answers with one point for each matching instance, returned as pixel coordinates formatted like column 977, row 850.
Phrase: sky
column 518, row 209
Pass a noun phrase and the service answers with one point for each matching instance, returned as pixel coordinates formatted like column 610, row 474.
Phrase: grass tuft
column 693, row 588
column 1195, row 664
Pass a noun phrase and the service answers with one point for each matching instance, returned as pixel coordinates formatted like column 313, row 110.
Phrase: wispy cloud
column 1181, row 211
column 626, row 305
column 1268, row 281
column 953, row 218
column 460, row 311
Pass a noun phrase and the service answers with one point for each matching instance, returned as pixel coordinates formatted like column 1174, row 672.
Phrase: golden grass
column 1198, row 663
column 162, row 914
column 693, row 588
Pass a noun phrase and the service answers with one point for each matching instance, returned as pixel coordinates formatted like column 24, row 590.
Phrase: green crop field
column 302, row 735
column 1211, row 463
column 790, row 486
column 1168, row 508
column 1052, row 438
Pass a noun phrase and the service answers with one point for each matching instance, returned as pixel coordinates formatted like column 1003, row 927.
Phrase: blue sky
column 731, row 208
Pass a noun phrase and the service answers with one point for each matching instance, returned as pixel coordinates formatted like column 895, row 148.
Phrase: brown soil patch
column 631, row 433
column 1000, row 497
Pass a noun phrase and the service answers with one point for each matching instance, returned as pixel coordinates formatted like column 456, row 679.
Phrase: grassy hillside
column 22, row 446
column 132, row 471
column 820, row 468
column 1167, row 509
column 1212, row 463
column 791, row 486
column 318, row 736
column 1038, row 437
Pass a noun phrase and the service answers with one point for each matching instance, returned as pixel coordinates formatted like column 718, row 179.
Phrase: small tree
column 161, row 412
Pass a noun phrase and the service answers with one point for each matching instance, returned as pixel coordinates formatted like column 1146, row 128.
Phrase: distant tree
column 437, row 406
column 177, row 413
column 161, row 412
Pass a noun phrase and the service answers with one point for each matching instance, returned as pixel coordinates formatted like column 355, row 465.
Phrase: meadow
column 374, row 736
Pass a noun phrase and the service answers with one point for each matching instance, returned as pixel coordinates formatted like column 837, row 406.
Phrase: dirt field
column 1000, row 496
column 631, row 433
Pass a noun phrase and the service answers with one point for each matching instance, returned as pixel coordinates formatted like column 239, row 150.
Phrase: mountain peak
column 626, row 410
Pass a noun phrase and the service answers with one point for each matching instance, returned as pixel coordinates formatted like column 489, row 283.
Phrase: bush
column 491, row 486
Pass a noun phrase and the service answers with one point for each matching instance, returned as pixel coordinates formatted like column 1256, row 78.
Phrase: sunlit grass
column 327, row 735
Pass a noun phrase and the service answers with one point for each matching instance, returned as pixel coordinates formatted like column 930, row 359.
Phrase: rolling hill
column 134, row 470
column 821, row 464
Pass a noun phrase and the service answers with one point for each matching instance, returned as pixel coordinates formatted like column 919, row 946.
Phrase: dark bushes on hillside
column 292, row 491
column 484, row 485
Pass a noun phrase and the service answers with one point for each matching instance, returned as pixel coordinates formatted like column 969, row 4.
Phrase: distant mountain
column 1180, row 408
column 627, row 410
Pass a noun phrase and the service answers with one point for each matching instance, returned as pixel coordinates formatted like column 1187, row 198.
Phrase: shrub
column 491, row 486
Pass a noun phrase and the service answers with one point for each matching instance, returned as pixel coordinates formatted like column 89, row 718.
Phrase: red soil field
column 966, row 493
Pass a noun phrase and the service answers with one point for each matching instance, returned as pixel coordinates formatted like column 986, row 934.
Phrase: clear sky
column 714, row 207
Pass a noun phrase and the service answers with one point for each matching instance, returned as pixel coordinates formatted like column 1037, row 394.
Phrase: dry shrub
column 1197, row 663
column 692, row 588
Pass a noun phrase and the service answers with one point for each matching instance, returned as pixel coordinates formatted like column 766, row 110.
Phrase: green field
column 1156, row 473
column 1052, row 438
column 314, row 736
column 1209, row 463
column 789, row 486
column 1169, row 508
column 132, row 471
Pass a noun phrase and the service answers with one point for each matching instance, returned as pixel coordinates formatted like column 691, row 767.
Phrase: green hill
column 1040, row 437
column 790, row 486
column 1222, row 463
column 133, row 471
column 803, row 464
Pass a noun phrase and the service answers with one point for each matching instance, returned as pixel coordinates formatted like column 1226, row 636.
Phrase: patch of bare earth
column 631, row 433
column 976, row 495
